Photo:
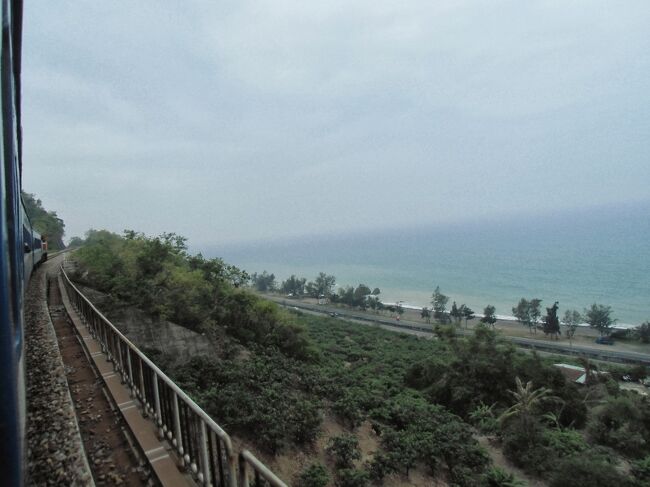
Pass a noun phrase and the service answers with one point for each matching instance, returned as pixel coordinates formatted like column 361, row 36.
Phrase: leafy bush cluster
column 265, row 398
column 420, row 396
column 413, row 431
column 45, row 222
column 468, row 374
column 622, row 423
column 315, row 475
column 363, row 376
column 159, row 276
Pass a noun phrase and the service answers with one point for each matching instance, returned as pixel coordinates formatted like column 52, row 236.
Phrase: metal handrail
column 203, row 446
column 260, row 471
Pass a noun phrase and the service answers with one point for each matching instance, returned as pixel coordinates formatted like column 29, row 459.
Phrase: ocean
column 576, row 258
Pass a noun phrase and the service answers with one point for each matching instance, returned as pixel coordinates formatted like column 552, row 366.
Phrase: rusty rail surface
column 203, row 447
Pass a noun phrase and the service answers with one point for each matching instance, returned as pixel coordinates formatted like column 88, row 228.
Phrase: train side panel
column 12, row 255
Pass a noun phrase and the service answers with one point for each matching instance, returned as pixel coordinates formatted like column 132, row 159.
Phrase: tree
column 45, row 222
column 346, row 295
column 425, row 314
column 467, row 313
column 294, row 286
column 439, row 302
column 360, row 294
column 455, row 313
column 571, row 320
column 527, row 400
column 76, row 242
column 264, row 282
column 376, row 291
column 399, row 309
column 321, row 286
column 599, row 317
column 528, row 313
column 642, row 332
column 551, row 321
column 535, row 311
column 373, row 302
column 488, row 315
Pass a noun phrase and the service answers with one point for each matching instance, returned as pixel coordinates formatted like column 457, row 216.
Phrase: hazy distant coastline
column 576, row 259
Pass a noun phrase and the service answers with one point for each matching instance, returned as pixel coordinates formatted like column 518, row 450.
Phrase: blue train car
column 12, row 255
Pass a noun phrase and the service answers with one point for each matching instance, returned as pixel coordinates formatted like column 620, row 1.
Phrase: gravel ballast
column 55, row 454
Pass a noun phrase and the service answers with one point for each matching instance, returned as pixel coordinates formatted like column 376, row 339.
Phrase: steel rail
column 203, row 447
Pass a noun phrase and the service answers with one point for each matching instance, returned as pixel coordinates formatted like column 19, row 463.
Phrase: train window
column 37, row 243
column 27, row 238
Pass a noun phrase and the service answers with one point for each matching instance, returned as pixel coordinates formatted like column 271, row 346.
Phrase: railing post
column 106, row 331
column 205, row 456
column 129, row 379
column 156, row 393
column 178, row 438
column 243, row 472
column 232, row 470
column 143, row 394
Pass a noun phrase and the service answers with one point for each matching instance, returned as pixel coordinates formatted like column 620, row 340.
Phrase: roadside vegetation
column 436, row 407
column 528, row 312
column 45, row 222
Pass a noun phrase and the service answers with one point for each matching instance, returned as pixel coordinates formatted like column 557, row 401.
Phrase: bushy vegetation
column 267, row 397
column 280, row 373
column 159, row 276
column 44, row 222
column 315, row 475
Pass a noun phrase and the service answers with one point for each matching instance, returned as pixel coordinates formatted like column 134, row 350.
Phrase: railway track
column 108, row 444
column 101, row 413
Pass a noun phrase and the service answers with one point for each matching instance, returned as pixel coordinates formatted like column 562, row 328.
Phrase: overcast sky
column 248, row 120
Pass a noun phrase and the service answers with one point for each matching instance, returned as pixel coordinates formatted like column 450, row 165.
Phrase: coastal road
column 414, row 327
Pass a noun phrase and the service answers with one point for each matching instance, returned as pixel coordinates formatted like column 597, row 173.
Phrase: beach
column 581, row 260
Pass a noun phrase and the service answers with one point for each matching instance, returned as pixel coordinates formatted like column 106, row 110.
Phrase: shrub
column 642, row 332
column 565, row 442
column 315, row 475
column 525, row 446
column 580, row 471
column 483, row 418
column 345, row 450
column 641, row 470
column 496, row 477
column 403, row 449
column 351, row 477
column 380, row 466
column 347, row 408
column 622, row 424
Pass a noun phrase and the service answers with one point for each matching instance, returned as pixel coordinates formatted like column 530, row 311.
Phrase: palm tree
column 526, row 400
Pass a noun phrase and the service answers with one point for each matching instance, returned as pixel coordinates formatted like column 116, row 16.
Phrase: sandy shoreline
column 584, row 336
column 500, row 318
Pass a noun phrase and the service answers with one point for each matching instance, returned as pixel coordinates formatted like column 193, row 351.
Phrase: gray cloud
column 251, row 120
